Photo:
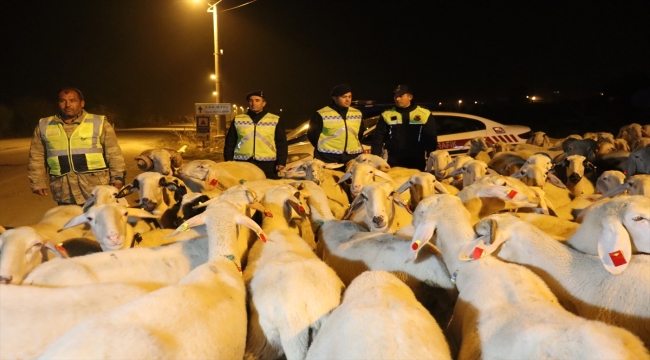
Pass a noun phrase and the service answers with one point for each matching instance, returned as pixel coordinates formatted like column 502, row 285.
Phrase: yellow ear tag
column 184, row 227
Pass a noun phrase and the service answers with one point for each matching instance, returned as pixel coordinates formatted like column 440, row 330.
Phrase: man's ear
column 83, row 103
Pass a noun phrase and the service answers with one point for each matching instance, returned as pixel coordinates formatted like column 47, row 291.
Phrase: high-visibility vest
column 81, row 153
column 335, row 130
column 417, row 116
column 255, row 140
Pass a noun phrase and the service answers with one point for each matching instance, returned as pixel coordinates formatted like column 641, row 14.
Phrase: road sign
column 212, row 109
column 203, row 122
column 203, row 136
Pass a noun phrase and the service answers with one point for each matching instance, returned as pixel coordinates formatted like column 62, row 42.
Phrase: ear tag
column 416, row 245
column 511, row 194
column 617, row 258
column 213, row 182
column 242, row 181
column 300, row 208
column 262, row 236
column 478, row 252
column 184, row 227
column 59, row 247
column 453, row 277
column 268, row 214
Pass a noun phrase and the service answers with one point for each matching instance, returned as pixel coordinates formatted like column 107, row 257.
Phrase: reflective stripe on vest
column 418, row 116
column 262, row 148
column 332, row 137
column 81, row 153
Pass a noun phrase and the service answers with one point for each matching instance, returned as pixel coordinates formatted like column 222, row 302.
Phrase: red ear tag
column 617, row 258
column 213, row 182
column 262, row 236
column 60, row 248
column 415, row 245
column 300, row 208
column 268, row 214
column 512, row 194
column 477, row 253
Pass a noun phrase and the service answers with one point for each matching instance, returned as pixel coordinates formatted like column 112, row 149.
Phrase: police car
column 454, row 130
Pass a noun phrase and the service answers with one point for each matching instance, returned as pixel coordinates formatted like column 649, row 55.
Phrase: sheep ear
column 492, row 172
column 455, row 172
column 400, row 202
column 615, row 191
column 191, row 222
column 356, row 204
column 140, row 213
column 58, row 250
column 78, row 220
column 246, row 221
column 441, row 188
column 429, row 165
column 257, row 206
column 345, row 177
column 333, row 166
column 383, row 175
column 555, row 181
column 126, row 190
column 297, row 206
column 473, row 250
column 89, row 203
column 614, row 246
column 517, row 175
column 421, row 236
column 404, row 187
column 502, row 192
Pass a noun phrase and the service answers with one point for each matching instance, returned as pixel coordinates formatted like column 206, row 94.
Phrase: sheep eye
column 364, row 196
column 637, row 218
column 89, row 218
column 126, row 213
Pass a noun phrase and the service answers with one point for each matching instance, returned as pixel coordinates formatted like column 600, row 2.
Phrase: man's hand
column 118, row 184
column 41, row 192
column 279, row 167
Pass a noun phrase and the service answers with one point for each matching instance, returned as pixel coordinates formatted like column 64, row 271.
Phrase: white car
column 454, row 131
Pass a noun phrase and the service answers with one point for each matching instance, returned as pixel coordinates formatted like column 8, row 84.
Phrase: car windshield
column 301, row 130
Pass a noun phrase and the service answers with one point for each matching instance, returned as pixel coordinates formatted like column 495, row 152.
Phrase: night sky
column 142, row 57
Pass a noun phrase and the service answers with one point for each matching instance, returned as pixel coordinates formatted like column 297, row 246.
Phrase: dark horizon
column 144, row 57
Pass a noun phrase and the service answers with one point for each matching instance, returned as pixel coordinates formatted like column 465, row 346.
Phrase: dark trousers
column 268, row 167
column 413, row 161
column 334, row 158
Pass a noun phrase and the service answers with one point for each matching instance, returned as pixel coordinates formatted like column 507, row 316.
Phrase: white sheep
column 636, row 185
column 472, row 171
column 607, row 181
column 582, row 282
column 437, row 162
column 24, row 248
column 203, row 316
column 456, row 163
column 577, row 183
column 362, row 174
column 506, row 163
column 556, row 193
column 34, row 316
column 479, row 149
column 163, row 161
column 505, row 311
column 103, row 194
column 291, row 291
column 375, row 161
column 223, row 175
column 350, row 250
column 379, row 318
column 385, row 211
column 423, row 184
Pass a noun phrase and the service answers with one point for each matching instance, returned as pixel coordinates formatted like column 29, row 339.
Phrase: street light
column 217, row 81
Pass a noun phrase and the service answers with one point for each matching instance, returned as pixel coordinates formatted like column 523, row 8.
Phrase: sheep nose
column 317, row 181
column 378, row 219
column 575, row 178
column 166, row 172
column 148, row 205
column 6, row 280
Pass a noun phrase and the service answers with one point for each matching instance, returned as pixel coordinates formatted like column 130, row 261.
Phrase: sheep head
column 21, row 250
column 378, row 199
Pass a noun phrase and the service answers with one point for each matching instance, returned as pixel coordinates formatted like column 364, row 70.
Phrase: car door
column 456, row 131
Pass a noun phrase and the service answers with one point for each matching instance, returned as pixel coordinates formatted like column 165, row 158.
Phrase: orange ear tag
column 415, row 245
column 268, row 214
column 300, row 208
column 477, row 253
column 213, row 182
column 59, row 247
column 262, row 236
column 617, row 258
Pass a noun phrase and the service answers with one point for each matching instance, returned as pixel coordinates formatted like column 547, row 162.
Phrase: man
column 257, row 137
column 407, row 131
column 78, row 149
column 335, row 131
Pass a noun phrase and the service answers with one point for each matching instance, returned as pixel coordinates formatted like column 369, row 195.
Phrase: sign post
column 203, row 112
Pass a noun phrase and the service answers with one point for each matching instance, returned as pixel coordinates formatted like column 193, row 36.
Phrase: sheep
column 456, row 163
column 423, row 184
column 526, row 150
column 385, row 211
column 34, row 316
column 583, row 282
column 221, row 175
column 324, row 175
column 506, row 163
column 641, row 143
column 203, row 316
column 630, row 133
column 437, row 161
column 291, row 291
column 151, row 187
column 505, row 311
column 472, row 171
column 163, row 161
column 379, row 319
column 538, row 176
column 556, row 227
column 24, row 248
column 163, row 265
column 103, row 194
column 577, row 183
column 539, row 138
column 635, row 185
column 362, row 174
column 479, row 149
column 373, row 160
column 645, row 131
column 110, row 226
column 350, row 250
column 607, row 181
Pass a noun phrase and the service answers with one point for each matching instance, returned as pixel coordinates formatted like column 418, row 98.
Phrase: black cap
column 259, row 93
column 401, row 90
column 340, row 90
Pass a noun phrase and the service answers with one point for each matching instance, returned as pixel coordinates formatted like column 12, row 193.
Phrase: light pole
column 217, row 81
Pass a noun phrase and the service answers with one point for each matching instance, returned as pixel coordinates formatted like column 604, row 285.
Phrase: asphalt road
column 19, row 206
